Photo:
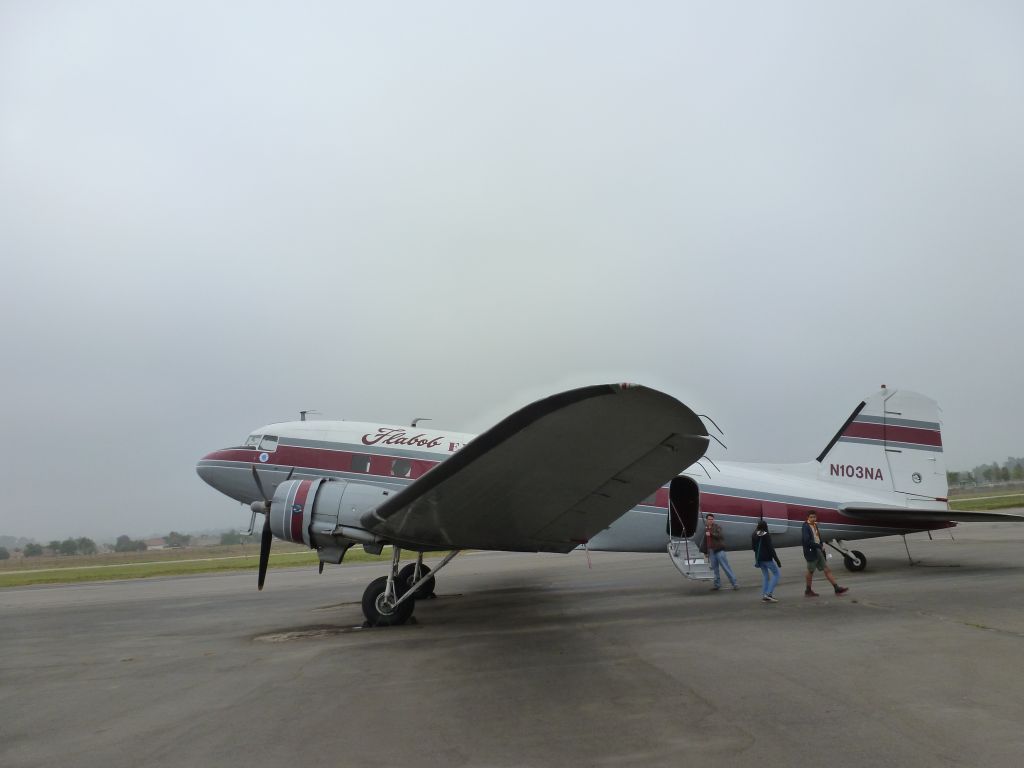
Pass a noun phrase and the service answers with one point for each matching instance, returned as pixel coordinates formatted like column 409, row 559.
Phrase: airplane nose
column 205, row 471
column 229, row 473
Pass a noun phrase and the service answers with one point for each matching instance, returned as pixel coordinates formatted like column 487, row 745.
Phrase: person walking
column 715, row 545
column 767, row 560
column 814, row 554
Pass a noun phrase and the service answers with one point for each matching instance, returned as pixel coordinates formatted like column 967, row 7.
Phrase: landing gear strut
column 852, row 559
column 390, row 600
column 413, row 573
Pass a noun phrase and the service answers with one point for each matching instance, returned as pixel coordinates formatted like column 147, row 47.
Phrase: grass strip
column 78, row 574
column 988, row 503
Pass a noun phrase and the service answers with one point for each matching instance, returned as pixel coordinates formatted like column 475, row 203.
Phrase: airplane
column 616, row 467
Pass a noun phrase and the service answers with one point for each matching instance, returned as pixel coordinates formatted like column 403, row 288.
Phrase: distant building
column 157, row 543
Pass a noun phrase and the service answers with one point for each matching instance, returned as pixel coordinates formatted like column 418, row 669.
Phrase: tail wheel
column 378, row 609
column 855, row 561
column 407, row 577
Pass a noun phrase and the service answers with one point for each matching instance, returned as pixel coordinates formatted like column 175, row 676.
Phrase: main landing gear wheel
column 407, row 577
column 855, row 561
column 380, row 610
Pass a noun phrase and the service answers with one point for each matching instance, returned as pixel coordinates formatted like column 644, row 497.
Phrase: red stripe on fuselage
column 329, row 460
column 298, row 508
column 894, row 434
column 737, row 506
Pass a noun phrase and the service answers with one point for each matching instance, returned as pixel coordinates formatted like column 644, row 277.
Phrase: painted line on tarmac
column 273, row 557
column 151, row 562
column 957, row 499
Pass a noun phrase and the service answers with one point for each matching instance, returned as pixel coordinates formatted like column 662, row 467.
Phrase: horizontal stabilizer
column 881, row 513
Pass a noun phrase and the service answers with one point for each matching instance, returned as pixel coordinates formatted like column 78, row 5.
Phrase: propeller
column 267, row 537
column 265, row 540
column 259, row 486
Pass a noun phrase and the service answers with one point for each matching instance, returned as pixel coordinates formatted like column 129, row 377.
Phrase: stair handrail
column 682, row 525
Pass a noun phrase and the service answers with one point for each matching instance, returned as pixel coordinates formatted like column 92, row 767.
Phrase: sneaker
column 770, row 599
column 810, row 593
column 735, row 586
column 716, row 587
column 841, row 590
column 764, row 599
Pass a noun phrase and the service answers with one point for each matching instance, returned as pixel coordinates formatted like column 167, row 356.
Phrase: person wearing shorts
column 814, row 554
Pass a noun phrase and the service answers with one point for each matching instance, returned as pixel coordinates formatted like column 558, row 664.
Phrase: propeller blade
column 259, row 484
column 265, row 541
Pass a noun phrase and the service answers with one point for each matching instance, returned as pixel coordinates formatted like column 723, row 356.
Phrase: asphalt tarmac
column 532, row 660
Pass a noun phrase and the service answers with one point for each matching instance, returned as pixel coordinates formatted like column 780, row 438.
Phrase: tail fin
column 892, row 442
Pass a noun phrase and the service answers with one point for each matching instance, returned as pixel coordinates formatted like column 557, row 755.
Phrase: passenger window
column 401, row 467
column 360, row 463
column 268, row 443
column 252, row 441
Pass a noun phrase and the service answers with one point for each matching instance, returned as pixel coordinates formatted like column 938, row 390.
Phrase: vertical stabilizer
column 892, row 442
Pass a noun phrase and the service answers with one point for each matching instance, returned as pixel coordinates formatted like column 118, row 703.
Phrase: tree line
column 1012, row 470
column 86, row 546
column 80, row 546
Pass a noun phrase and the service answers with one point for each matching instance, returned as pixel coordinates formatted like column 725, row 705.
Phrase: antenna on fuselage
column 705, row 416
column 419, row 419
column 302, row 414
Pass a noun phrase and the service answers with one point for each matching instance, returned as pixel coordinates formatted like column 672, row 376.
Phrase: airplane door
column 683, row 507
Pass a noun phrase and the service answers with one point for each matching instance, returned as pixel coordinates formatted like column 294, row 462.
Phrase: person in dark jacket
column 714, row 545
column 814, row 554
column 767, row 560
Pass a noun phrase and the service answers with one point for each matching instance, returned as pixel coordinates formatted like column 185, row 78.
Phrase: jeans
column 769, row 576
column 720, row 559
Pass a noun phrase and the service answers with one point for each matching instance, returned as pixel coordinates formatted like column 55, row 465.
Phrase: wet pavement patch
column 319, row 632
column 304, row 633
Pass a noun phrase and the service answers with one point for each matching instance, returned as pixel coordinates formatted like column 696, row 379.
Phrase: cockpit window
column 268, row 443
column 252, row 441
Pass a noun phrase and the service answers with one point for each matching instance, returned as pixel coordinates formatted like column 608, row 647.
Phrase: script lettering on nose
column 398, row 436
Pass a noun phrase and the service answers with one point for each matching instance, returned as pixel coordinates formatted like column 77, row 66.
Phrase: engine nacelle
column 317, row 512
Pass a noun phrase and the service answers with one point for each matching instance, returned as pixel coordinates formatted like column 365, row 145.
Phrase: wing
column 902, row 514
column 550, row 476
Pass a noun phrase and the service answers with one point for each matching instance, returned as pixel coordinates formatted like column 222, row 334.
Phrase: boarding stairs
column 689, row 560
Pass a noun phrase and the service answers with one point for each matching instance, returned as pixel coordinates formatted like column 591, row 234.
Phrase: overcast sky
column 213, row 215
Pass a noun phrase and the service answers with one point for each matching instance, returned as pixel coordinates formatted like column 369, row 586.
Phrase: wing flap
column 549, row 476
